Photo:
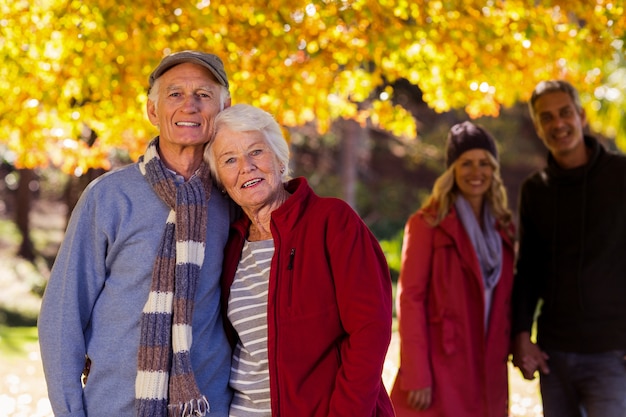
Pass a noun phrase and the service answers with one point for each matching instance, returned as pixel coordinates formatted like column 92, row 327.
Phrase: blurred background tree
column 366, row 89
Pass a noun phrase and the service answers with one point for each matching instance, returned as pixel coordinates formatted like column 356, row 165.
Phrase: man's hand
column 528, row 357
column 420, row 399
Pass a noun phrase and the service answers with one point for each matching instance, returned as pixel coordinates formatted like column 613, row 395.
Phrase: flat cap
column 210, row 61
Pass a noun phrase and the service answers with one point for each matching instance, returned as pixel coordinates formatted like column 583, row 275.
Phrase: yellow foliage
column 69, row 64
column 395, row 118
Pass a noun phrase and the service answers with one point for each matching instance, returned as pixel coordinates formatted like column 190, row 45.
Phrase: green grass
column 14, row 341
column 9, row 232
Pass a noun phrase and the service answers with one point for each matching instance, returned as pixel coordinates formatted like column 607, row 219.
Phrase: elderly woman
column 306, row 286
column 455, row 287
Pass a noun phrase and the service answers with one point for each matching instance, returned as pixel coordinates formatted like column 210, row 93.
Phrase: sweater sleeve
column 363, row 291
column 413, row 283
column 531, row 268
column 76, row 279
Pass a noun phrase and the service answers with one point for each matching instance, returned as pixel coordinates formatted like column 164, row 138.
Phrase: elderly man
column 136, row 279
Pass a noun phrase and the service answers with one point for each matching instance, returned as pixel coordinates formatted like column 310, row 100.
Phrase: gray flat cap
column 211, row 62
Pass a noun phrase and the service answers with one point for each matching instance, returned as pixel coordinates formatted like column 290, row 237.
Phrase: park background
column 365, row 90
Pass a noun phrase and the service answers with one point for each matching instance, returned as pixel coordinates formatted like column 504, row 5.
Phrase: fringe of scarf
column 165, row 383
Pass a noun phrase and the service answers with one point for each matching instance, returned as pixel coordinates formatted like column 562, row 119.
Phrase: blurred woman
column 454, row 289
column 306, row 285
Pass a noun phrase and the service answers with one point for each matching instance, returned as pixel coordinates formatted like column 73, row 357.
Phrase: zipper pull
column 292, row 255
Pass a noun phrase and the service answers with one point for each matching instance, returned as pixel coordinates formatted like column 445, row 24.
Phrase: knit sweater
column 572, row 254
column 98, row 287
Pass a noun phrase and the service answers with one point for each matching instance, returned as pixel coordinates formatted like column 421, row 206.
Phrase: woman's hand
column 420, row 399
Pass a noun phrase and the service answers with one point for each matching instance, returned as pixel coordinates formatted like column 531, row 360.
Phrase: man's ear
column 583, row 117
column 152, row 115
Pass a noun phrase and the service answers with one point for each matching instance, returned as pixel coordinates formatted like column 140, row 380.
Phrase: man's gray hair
column 550, row 86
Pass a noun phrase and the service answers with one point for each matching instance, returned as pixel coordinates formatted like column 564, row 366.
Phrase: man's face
column 188, row 100
column 560, row 125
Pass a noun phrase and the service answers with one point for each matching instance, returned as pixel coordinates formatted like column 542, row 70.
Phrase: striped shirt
column 247, row 311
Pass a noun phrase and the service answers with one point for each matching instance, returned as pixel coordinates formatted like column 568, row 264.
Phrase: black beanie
column 465, row 136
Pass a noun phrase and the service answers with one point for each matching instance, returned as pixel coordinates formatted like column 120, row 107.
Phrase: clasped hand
column 528, row 357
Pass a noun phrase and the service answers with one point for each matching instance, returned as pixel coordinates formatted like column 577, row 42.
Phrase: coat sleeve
column 411, row 298
column 76, row 279
column 363, row 291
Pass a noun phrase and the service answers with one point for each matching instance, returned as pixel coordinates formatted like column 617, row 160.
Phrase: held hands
column 528, row 357
column 420, row 399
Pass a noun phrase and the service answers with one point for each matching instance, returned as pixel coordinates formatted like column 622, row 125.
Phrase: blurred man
column 572, row 257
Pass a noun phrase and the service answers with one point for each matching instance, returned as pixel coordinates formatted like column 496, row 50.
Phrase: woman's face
column 473, row 174
column 247, row 168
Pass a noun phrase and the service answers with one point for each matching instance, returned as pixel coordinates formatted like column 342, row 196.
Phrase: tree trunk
column 351, row 136
column 75, row 187
column 22, row 213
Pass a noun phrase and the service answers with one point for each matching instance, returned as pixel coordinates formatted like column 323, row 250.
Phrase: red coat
column 441, row 307
column 329, row 308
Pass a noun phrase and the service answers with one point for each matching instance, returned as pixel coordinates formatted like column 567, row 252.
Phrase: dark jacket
column 329, row 308
column 572, row 254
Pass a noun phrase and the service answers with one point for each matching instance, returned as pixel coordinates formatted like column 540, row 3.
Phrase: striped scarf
column 165, row 380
